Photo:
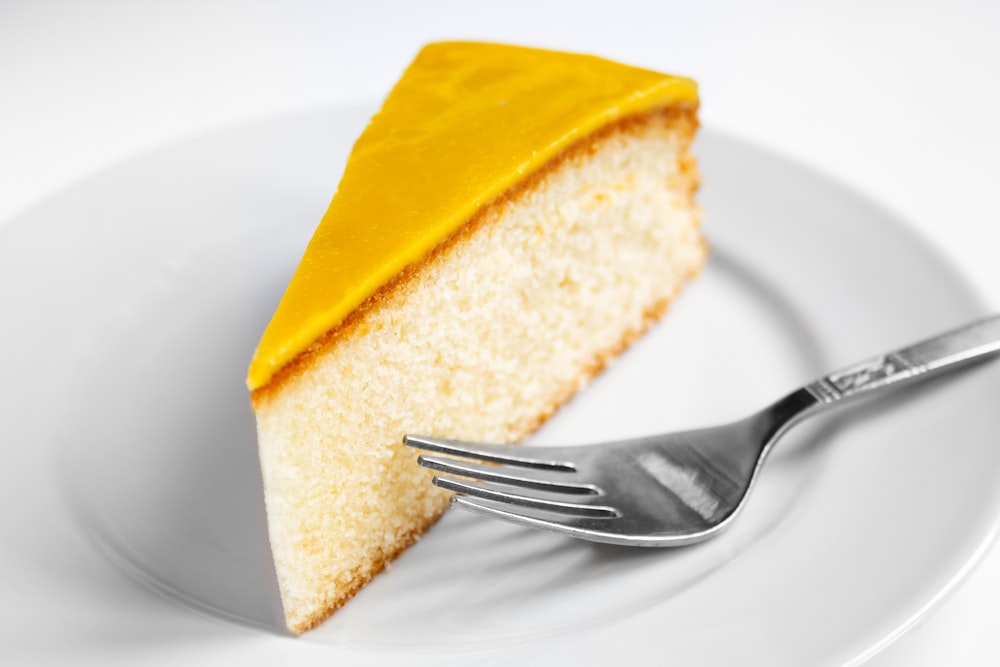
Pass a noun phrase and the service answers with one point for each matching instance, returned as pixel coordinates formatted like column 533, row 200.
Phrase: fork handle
column 970, row 343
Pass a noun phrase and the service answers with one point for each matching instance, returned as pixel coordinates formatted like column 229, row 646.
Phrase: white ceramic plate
column 131, row 304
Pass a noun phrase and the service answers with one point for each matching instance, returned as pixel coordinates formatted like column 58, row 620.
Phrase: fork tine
column 515, row 455
column 491, row 492
column 590, row 528
column 558, row 481
column 481, row 506
column 594, row 529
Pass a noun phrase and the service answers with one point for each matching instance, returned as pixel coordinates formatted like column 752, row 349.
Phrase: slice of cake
column 508, row 222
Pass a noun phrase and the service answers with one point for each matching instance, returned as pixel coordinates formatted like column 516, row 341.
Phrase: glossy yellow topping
column 465, row 122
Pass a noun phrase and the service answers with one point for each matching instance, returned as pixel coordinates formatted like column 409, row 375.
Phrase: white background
column 900, row 100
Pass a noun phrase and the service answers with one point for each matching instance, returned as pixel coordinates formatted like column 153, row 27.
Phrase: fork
column 671, row 489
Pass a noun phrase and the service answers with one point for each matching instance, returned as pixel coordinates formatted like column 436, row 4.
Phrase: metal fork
column 672, row 489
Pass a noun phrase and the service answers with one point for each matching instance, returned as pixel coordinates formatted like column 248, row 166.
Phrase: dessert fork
column 672, row 489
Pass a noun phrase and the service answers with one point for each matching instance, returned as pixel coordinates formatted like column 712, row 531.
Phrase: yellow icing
column 465, row 122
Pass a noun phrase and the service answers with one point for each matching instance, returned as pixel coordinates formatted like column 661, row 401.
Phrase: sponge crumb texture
column 482, row 340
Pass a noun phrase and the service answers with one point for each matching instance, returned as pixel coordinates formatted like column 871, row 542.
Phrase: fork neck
column 784, row 413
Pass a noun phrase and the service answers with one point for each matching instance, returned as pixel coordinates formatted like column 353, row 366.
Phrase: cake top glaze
column 465, row 122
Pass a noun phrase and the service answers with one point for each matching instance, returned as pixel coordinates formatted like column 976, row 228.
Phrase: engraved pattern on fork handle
column 974, row 342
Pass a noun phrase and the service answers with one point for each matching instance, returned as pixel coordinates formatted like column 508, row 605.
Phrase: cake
column 509, row 221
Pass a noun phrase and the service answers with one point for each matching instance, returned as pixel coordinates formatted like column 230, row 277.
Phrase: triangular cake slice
column 508, row 222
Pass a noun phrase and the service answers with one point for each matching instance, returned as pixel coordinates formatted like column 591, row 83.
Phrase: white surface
column 896, row 99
